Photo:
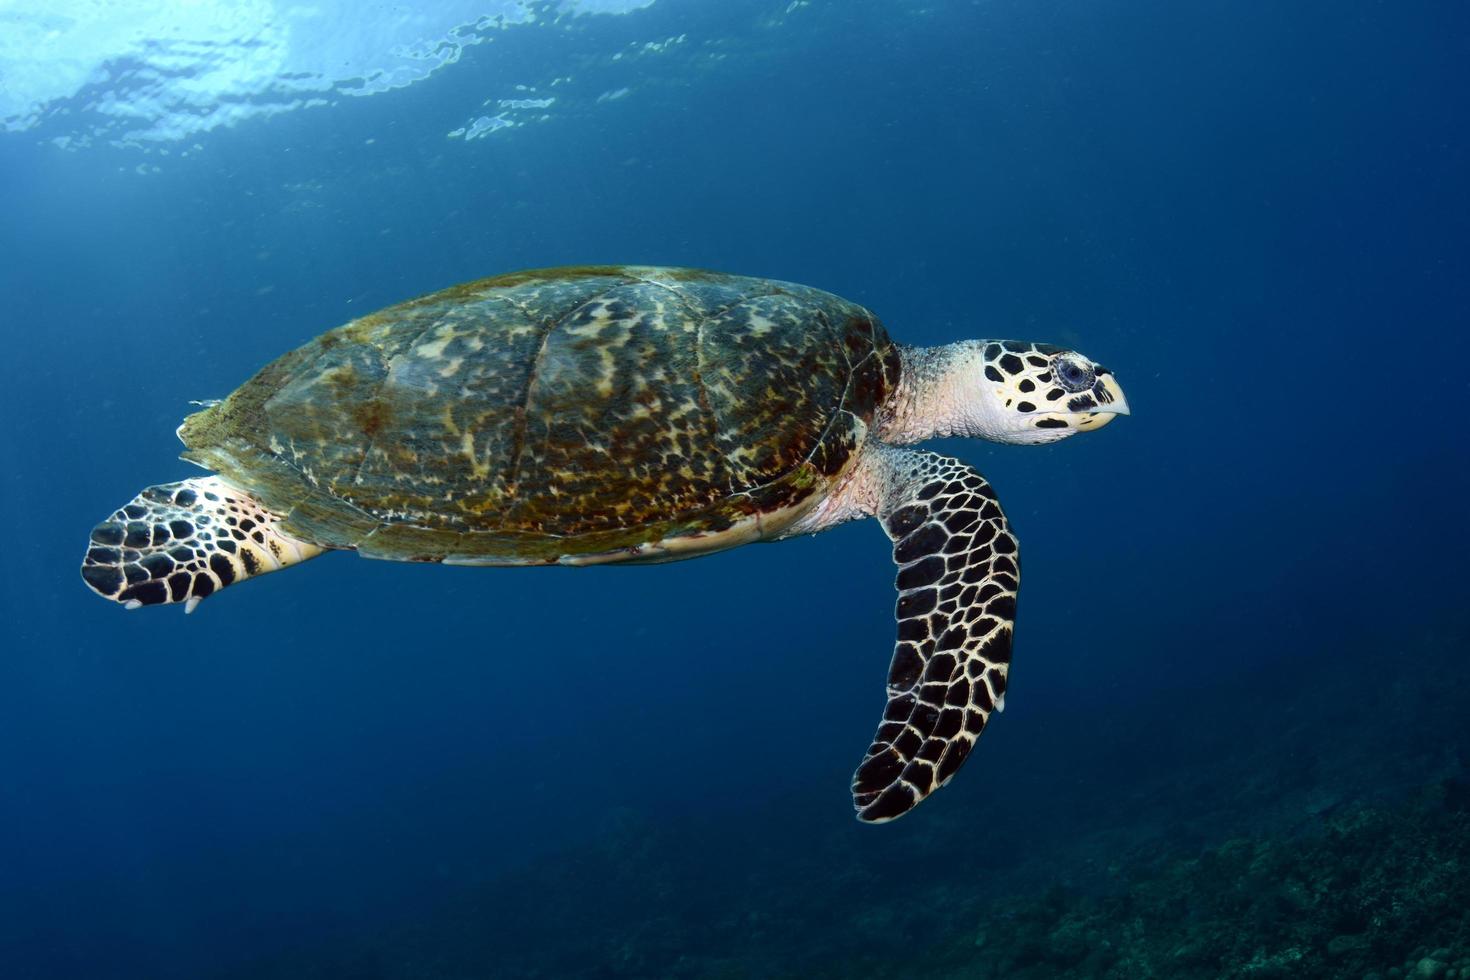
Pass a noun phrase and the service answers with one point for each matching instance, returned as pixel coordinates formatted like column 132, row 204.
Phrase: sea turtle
column 592, row 415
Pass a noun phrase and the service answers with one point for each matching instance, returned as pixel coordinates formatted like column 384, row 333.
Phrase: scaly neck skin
column 939, row 394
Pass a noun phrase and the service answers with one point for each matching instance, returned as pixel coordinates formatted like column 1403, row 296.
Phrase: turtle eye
column 1074, row 375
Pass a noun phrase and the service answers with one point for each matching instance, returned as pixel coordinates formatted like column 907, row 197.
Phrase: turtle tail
column 182, row 542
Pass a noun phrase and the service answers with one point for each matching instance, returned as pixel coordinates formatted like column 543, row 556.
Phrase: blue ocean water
column 1243, row 611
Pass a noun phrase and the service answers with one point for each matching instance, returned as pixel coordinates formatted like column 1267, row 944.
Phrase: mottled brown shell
column 557, row 412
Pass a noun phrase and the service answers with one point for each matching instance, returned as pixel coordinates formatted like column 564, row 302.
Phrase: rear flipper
column 181, row 542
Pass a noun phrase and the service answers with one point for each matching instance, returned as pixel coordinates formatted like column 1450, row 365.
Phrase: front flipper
column 957, row 580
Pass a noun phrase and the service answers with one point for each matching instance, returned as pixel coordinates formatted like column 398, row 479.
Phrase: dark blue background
column 1256, row 213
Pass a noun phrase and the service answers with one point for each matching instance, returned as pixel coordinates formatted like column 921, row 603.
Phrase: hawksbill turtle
column 593, row 415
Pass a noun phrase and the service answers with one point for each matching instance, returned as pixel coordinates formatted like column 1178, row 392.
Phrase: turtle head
column 1008, row 391
column 1034, row 393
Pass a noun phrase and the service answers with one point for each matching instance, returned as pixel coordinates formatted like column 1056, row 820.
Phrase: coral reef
column 1328, row 842
column 1376, row 893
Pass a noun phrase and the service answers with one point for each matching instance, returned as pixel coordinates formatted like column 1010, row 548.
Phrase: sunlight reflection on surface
column 135, row 73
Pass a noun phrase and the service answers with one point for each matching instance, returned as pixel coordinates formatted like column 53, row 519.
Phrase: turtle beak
column 1111, row 402
column 1111, row 399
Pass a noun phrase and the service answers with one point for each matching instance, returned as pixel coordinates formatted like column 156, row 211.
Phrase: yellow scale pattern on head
column 603, row 405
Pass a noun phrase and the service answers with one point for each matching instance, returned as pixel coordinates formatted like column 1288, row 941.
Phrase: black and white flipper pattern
column 182, row 542
column 957, row 579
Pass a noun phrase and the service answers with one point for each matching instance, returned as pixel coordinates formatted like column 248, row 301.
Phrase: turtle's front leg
column 957, row 580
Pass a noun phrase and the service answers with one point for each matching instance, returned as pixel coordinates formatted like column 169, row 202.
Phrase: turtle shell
column 559, row 413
